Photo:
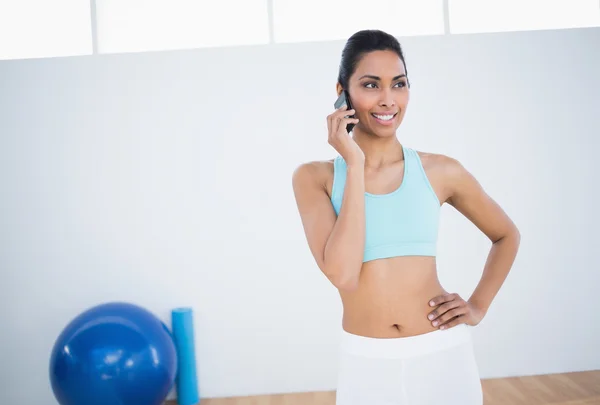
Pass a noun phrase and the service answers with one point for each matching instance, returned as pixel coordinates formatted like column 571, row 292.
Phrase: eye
column 371, row 85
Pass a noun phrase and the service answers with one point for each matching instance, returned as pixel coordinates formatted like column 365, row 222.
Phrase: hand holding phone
column 339, row 124
column 343, row 99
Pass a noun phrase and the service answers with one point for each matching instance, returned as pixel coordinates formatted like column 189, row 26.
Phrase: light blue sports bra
column 401, row 223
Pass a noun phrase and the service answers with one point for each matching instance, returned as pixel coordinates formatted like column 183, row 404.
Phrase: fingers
column 342, row 108
column 346, row 121
column 333, row 118
column 440, row 299
column 329, row 124
column 335, row 121
column 456, row 321
column 442, row 309
column 449, row 316
column 451, row 308
column 341, row 113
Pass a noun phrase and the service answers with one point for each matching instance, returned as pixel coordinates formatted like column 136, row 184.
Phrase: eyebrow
column 379, row 78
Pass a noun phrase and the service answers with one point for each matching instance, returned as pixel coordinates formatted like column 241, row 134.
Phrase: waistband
column 404, row 347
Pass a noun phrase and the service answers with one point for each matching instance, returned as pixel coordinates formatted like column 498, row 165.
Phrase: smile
column 384, row 119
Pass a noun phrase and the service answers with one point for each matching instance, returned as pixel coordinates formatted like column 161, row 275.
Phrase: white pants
column 430, row 369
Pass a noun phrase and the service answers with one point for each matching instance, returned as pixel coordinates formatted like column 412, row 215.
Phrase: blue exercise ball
column 113, row 354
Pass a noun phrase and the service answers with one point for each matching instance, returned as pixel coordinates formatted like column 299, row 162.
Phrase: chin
column 386, row 134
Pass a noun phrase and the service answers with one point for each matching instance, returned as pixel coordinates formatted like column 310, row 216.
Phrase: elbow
column 513, row 236
column 516, row 235
column 348, row 286
column 344, row 282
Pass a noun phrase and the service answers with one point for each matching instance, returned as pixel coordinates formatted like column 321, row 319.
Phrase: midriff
column 392, row 298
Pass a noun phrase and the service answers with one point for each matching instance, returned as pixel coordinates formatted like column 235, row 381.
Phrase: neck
column 378, row 151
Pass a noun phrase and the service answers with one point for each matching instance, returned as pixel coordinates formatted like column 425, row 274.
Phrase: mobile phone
column 341, row 100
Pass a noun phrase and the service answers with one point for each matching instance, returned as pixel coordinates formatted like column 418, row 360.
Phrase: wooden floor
column 582, row 388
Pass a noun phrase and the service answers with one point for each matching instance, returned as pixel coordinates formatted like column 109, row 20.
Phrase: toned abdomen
column 392, row 299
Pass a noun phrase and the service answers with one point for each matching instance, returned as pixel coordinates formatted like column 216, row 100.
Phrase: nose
column 387, row 99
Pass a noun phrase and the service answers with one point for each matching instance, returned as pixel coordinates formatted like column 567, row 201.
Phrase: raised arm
column 336, row 242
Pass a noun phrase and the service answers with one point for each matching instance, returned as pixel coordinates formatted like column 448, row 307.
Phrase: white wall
column 164, row 179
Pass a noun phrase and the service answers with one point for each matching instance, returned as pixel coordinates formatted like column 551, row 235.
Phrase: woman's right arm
column 336, row 242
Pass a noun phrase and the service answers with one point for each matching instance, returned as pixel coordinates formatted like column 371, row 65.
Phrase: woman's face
column 379, row 93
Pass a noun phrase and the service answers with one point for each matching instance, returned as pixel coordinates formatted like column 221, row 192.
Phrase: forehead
column 385, row 64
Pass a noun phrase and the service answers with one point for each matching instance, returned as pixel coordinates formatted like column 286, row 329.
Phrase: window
column 323, row 20
column 42, row 28
column 153, row 25
column 472, row 16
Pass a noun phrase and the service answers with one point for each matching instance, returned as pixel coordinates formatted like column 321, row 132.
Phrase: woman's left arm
column 469, row 198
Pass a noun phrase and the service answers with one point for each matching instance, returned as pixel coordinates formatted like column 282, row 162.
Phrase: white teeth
column 384, row 117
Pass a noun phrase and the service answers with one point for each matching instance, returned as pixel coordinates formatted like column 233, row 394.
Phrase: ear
column 339, row 89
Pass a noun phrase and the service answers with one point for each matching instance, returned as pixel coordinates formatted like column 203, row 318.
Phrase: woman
column 371, row 219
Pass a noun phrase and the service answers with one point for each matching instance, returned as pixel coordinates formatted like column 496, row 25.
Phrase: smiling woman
column 371, row 217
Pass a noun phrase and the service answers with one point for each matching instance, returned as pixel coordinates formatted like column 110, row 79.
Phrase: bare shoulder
column 316, row 173
column 440, row 163
column 443, row 172
column 464, row 192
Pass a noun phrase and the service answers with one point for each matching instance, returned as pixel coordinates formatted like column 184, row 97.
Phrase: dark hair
column 361, row 43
